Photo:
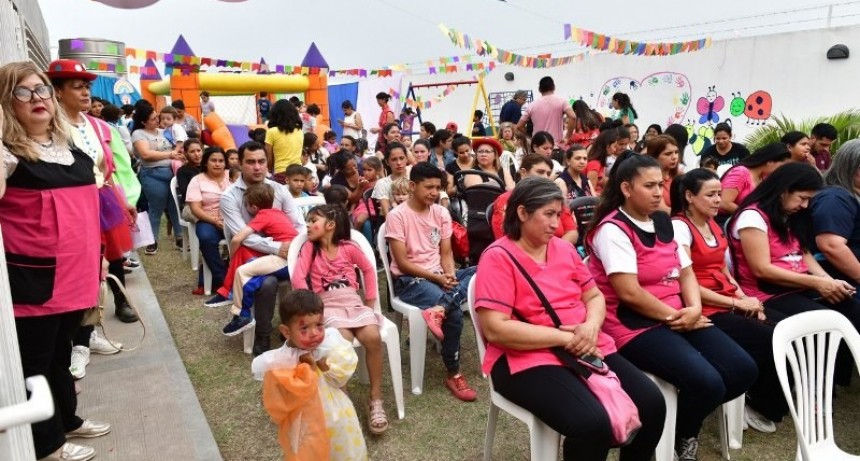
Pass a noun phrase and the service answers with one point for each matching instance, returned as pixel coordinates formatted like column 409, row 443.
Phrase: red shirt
column 275, row 224
column 566, row 222
column 383, row 120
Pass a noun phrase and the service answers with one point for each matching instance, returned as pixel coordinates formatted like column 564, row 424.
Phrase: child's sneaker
column 100, row 345
column 237, row 325
column 458, row 386
column 219, row 301
column 198, row 291
column 434, row 318
column 151, row 249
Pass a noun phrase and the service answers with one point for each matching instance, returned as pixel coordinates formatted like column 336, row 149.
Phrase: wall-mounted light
column 837, row 52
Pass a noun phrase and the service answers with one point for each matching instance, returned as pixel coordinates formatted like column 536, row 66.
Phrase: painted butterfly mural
column 709, row 105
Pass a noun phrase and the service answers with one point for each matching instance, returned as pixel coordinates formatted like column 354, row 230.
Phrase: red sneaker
column 460, row 388
column 434, row 318
column 198, row 291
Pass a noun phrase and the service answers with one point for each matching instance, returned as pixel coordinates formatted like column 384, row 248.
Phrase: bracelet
column 733, row 305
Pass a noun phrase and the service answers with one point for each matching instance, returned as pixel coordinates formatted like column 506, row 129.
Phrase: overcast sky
column 377, row 33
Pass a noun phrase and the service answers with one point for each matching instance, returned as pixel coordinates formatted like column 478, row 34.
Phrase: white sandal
column 377, row 422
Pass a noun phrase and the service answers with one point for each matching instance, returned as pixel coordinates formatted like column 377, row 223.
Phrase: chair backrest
column 382, row 248
column 479, row 335
column 807, row 343
column 355, row 236
column 490, row 214
column 306, row 203
column 173, row 194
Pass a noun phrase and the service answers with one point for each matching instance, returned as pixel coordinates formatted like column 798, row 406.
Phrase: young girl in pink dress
column 326, row 266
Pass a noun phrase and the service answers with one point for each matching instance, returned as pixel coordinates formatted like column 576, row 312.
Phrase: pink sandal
column 377, row 422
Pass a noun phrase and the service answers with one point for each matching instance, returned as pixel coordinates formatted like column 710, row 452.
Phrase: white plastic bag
column 141, row 233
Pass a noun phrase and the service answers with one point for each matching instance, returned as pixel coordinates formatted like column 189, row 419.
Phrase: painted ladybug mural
column 758, row 107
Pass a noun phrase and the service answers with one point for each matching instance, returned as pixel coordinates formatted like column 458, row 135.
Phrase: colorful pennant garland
column 616, row 45
column 484, row 48
column 180, row 64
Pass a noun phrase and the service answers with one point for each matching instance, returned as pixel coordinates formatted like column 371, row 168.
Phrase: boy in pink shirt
column 419, row 237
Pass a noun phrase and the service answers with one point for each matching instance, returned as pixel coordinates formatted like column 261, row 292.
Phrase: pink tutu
column 345, row 309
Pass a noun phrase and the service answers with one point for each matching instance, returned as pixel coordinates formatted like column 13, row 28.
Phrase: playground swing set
column 407, row 120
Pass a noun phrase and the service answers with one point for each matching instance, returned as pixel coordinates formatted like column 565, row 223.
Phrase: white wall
column 790, row 69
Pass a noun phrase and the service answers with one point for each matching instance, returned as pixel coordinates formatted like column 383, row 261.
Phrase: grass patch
column 436, row 426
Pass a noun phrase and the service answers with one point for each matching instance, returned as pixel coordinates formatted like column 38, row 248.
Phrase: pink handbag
column 604, row 384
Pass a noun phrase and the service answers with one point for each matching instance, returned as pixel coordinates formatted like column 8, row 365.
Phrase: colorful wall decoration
column 666, row 93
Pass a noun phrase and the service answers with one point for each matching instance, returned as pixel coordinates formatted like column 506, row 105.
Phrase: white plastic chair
column 187, row 230
column 306, row 203
column 195, row 252
column 390, row 334
column 417, row 325
column 730, row 416
column 808, row 342
column 543, row 439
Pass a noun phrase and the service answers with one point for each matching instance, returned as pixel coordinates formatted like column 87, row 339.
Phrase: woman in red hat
column 93, row 136
column 487, row 152
column 50, row 219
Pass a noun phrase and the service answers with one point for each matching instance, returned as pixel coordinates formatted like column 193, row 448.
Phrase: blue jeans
column 425, row 294
column 209, row 237
column 155, row 183
column 706, row 366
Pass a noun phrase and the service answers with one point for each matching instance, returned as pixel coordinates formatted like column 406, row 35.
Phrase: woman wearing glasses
column 50, row 221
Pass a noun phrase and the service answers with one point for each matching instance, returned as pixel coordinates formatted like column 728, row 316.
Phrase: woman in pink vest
column 51, row 236
column 520, row 331
column 653, row 306
column 770, row 237
column 695, row 203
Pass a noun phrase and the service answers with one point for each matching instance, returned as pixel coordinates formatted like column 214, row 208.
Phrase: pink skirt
column 345, row 309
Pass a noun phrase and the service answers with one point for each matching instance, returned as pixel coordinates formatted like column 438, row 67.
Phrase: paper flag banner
column 602, row 42
column 484, row 48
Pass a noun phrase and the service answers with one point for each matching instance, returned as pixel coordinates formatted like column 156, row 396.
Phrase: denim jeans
column 706, row 366
column 425, row 294
column 209, row 237
column 155, row 183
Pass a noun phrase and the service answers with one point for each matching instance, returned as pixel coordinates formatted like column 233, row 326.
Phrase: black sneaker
column 238, row 325
column 179, row 245
column 151, row 249
column 125, row 313
column 218, row 301
column 132, row 263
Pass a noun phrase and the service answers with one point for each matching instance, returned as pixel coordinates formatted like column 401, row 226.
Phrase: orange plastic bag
column 291, row 396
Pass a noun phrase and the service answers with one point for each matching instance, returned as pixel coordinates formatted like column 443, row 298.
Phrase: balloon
column 133, row 4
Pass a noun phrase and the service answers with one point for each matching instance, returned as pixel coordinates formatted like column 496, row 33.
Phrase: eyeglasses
column 24, row 94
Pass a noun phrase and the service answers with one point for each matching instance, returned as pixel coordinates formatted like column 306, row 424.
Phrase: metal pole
column 829, row 15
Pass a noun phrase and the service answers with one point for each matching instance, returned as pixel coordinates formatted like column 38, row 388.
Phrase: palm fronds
column 847, row 124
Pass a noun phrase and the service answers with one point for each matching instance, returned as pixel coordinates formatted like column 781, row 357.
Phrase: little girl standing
column 326, row 265
column 364, row 210
column 302, row 384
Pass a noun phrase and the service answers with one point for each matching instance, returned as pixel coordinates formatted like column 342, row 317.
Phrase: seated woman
column 572, row 181
column 203, row 196
column 740, row 180
column 519, row 332
column 770, row 240
column 664, row 149
column 695, row 202
column 653, row 306
column 487, row 152
column 836, row 216
column 534, row 165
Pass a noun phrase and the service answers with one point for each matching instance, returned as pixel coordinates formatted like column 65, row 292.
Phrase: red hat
column 452, row 127
column 478, row 142
column 69, row 68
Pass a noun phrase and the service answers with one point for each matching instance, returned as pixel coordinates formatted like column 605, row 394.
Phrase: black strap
column 566, row 358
